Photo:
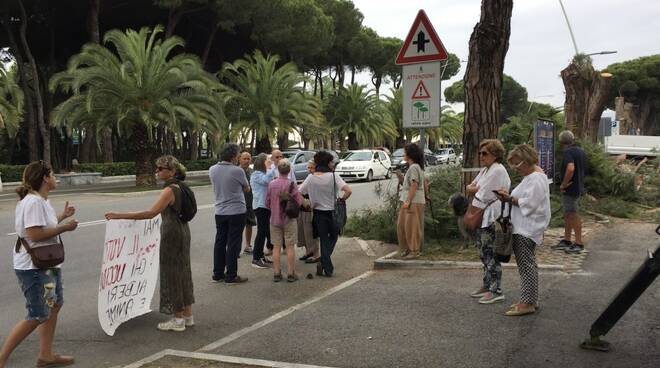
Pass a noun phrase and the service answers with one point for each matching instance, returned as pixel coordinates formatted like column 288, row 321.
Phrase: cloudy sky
column 540, row 45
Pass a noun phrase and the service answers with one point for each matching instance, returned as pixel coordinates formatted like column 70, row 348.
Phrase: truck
column 632, row 145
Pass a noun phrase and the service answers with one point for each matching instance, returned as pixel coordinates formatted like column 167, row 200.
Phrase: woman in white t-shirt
column 322, row 196
column 37, row 222
column 493, row 176
column 530, row 216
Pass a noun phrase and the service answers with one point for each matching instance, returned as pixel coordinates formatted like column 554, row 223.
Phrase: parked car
column 446, row 156
column 430, row 158
column 364, row 164
column 298, row 160
column 399, row 164
column 397, row 160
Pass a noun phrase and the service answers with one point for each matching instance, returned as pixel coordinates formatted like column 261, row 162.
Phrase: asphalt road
column 218, row 310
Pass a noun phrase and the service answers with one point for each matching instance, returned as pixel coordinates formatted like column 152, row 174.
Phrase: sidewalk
column 415, row 318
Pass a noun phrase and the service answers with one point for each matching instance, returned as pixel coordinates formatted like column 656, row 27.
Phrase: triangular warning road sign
column 420, row 91
column 422, row 43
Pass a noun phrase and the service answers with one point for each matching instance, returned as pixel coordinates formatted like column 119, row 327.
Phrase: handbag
column 44, row 256
column 474, row 216
column 504, row 236
column 339, row 210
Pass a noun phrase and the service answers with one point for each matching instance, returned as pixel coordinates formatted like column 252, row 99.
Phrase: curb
column 388, row 263
column 134, row 194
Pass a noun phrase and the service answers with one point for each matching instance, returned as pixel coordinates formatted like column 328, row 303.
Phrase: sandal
column 308, row 255
column 313, row 260
column 58, row 361
column 520, row 310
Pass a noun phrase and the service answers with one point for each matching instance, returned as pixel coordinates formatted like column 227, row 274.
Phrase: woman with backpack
column 283, row 214
column 37, row 224
column 176, row 285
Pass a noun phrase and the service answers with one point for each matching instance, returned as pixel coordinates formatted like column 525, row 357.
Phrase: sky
column 540, row 45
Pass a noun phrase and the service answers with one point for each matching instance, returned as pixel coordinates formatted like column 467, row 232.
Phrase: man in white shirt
column 275, row 158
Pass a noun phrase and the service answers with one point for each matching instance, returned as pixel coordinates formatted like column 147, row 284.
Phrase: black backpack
column 188, row 203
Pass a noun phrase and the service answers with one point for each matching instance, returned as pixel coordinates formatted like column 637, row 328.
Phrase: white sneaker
column 175, row 324
column 190, row 321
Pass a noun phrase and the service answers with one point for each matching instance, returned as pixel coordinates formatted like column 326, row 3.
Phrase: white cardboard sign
column 129, row 271
column 421, row 95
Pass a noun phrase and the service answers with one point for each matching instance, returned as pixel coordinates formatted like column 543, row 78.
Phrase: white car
column 446, row 156
column 365, row 165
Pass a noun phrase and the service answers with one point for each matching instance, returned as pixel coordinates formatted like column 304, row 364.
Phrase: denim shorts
column 42, row 290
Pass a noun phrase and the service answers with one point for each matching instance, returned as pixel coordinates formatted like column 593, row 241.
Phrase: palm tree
column 11, row 102
column 450, row 129
column 267, row 99
column 360, row 116
column 138, row 88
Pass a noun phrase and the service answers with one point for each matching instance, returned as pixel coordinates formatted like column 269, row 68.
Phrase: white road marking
column 240, row 333
column 220, row 358
column 101, row 222
column 365, row 247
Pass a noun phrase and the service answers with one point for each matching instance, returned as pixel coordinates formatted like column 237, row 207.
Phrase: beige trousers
column 410, row 227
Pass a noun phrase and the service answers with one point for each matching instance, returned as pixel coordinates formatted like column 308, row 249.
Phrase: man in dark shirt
column 573, row 164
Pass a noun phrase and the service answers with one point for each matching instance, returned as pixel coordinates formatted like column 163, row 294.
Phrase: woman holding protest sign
column 176, row 285
column 38, row 226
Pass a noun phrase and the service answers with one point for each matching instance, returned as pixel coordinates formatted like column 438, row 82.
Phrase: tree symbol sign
column 422, row 110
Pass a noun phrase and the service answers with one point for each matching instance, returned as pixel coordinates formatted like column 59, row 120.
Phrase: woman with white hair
column 530, row 216
column 282, row 228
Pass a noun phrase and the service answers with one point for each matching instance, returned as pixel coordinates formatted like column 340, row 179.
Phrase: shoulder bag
column 474, row 216
column 504, row 236
column 339, row 210
column 43, row 256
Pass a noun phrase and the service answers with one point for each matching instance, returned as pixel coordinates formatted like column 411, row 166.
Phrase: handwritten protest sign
column 129, row 272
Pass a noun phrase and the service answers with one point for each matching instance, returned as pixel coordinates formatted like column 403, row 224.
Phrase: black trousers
column 263, row 233
column 322, row 222
column 228, row 239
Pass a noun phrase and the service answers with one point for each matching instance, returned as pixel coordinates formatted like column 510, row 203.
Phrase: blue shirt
column 228, row 182
column 574, row 155
column 259, row 183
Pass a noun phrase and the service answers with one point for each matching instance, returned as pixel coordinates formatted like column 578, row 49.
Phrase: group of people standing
column 247, row 197
column 528, row 206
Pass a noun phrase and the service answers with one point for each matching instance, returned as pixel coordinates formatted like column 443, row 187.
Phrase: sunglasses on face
column 160, row 168
column 483, row 153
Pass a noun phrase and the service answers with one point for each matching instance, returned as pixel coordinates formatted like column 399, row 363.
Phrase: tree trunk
column 377, row 80
column 209, row 43
column 194, row 146
column 30, row 114
column 93, row 21
column 172, row 20
column 400, row 138
column 585, row 99
column 283, row 141
column 341, row 73
column 144, row 157
column 94, row 32
column 321, row 83
column 263, row 145
column 352, row 74
column 600, row 88
column 488, row 45
column 88, row 146
column 45, row 132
